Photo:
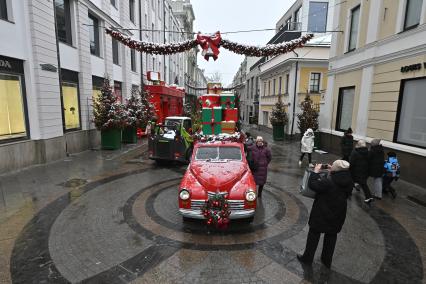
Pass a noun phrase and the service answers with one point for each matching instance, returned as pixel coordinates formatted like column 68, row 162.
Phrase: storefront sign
column 9, row 64
column 5, row 64
column 48, row 67
column 413, row 67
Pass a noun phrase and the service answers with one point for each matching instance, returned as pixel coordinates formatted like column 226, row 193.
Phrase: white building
column 48, row 78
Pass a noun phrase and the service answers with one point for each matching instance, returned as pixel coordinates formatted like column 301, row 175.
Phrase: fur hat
column 339, row 165
column 375, row 142
column 361, row 144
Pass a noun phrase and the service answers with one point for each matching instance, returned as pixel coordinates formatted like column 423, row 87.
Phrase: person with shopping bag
column 328, row 212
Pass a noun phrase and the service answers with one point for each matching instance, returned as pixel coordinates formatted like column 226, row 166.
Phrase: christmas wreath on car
column 216, row 211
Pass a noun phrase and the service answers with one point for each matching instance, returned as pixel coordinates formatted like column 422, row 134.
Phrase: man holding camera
column 328, row 212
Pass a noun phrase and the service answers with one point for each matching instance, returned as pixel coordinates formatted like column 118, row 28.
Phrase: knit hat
column 361, row 144
column 375, row 142
column 339, row 165
column 259, row 138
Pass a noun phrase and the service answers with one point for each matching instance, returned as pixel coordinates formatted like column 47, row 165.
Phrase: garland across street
column 210, row 45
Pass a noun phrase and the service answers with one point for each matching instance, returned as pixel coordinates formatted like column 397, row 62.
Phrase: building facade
column 53, row 64
column 302, row 72
column 377, row 79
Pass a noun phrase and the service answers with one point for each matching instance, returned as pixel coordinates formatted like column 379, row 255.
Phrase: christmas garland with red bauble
column 210, row 45
column 216, row 211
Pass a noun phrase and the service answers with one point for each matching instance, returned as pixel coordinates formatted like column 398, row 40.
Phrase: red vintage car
column 218, row 167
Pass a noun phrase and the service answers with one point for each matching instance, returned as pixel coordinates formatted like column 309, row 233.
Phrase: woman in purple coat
column 261, row 156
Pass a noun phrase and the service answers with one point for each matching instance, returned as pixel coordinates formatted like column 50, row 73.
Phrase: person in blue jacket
column 392, row 170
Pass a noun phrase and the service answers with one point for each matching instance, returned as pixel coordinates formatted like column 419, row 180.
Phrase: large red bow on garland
column 209, row 44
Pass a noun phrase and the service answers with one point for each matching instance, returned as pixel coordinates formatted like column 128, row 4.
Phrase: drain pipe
column 294, row 94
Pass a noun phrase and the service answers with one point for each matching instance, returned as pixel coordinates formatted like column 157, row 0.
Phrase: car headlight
column 250, row 195
column 184, row 194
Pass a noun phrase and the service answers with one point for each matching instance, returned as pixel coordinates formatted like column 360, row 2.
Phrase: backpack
column 392, row 167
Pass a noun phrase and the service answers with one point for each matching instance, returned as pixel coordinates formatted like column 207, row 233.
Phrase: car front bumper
column 197, row 214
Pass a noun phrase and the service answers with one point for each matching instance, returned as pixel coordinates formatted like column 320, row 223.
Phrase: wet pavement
column 111, row 217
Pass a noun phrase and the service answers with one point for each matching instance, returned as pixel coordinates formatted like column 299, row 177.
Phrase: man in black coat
column 347, row 144
column 359, row 168
column 328, row 212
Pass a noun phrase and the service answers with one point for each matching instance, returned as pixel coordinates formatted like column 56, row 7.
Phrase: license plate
column 163, row 141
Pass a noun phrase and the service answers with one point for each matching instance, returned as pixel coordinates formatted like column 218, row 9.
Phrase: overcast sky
column 234, row 15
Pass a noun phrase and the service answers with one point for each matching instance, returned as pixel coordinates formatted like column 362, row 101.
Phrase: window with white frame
column 314, row 83
column 287, row 82
column 411, row 117
column 354, row 28
column 133, row 60
column 115, row 52
column 132, row 10
column 63, row 20
column 345, row 106
column 274, row 88
column 317, row 22
column 413, row 10
column 3, row 10
column 94, row 35
column 265, row 118
column 264, row 88
column 280, row 85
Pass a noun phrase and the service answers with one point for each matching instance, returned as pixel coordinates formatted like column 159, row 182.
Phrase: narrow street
column 112, row 217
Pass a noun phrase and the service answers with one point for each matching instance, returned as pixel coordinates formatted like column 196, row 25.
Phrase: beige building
column 377, row 79
column 303, row 72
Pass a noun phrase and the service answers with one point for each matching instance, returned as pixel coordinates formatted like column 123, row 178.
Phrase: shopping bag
column 304, row 187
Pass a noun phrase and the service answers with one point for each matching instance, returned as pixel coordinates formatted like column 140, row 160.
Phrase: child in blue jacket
column 392, row 170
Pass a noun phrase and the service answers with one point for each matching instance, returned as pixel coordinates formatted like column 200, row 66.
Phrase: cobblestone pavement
column 112, row 218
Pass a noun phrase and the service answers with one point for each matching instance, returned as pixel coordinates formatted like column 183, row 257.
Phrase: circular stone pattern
column 279, row 215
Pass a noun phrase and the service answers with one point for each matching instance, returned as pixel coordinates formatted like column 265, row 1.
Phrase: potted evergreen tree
column 134, row 117
column 108, row 117
column 278, row 120
column 309, row 119
column 148, row 109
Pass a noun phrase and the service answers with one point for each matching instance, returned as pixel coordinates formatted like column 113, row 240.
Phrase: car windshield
column 171, row 124
column 219, row 153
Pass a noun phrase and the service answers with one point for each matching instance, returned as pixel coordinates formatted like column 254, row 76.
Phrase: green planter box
column 278, row 132
column 111, row 139
column 129, row 135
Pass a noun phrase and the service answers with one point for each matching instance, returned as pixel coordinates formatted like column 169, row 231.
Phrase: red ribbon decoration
column 209, row 44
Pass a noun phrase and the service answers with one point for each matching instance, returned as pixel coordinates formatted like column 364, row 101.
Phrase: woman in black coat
column 359, row 168
column 376, row 161
column 328, row 212
column 347, row 144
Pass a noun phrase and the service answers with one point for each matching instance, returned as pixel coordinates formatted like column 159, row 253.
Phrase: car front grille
column 234, row 205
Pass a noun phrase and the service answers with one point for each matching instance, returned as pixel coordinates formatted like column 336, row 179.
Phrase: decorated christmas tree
column 108, row 114
column 309, row 116
column 148, row 109
column 135, row 114
column 279, row 115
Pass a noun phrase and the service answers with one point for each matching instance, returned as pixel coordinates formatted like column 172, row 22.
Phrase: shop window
column 97, row 84
column 63, row 20
column 411, row 117
column 354, row 27
column 94, row 35
column 12, row 111
column 3, row 10
column 413, row 10
column 345, row 108
column 314, row 83
column 71, row 109
column 117, row 91
column 317, row 22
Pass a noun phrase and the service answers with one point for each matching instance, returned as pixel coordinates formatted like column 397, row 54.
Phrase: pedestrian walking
column 261, row 156
column 347, row 144
column 307, row 146
column 359, row 168
column 376, row 157
column 328, row 212
column 392, row 170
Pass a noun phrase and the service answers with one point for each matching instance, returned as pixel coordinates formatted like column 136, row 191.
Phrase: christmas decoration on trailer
column 210, row 45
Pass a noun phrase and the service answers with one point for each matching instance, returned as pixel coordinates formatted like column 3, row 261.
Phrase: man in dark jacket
column 376, row 158
column 261, row 157
column 359, row 168
column 347, row 144
column 328, row 212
